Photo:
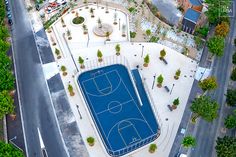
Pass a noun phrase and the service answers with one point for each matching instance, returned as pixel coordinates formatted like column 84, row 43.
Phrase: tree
column 160, row 80
column 6, row 80
column 8, row 150
column 117, row 49
column 234, row 59
column 152, row 148
column 4, row 46
column 4, row 33
column 215, row 13
column 226, row 146
column 115, row 18
column 175, row 103
column 222, row 29
column 99, row 23
column 63, row 22
column 233, row 74
column 177, row 74
column 148, row 32
column 230, row 121
column 189, row 141
column 231, row 97
column 146, row 60
column 216, row 45
column 209, row 83
column 162, row 54
column 108, row 35
column 234, row 41
column 85, row 29
column 63, row 69
column 123, row 30
column 57, row 52
column 205, row 108
column 81, row 62
column 91, row 141
column 99, row 55
column 71, row 90
column 6, row 103
column 92, row 12
column 5, row 61
column 68, row 32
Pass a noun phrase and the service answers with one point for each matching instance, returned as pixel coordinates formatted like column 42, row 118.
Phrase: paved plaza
column 70, row 50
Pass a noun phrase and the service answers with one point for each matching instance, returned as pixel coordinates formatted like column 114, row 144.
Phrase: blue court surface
column 123, row 122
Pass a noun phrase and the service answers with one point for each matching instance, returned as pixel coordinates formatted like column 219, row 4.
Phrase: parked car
column 10, row 22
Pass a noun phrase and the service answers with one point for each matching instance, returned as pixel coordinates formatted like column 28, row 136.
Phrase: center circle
column 114, row 107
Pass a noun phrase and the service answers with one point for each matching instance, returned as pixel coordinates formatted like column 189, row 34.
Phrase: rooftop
column 192, row 15
column 195, row 2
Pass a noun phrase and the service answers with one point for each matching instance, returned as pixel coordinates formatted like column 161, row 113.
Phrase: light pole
column 142, row 51
column 80, row 116
column 154, row 78
column 119, row 23
column 172, row 88
column 11, row 141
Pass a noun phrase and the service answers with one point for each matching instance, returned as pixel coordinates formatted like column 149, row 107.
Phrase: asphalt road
column 37, row 111
column 206, row 133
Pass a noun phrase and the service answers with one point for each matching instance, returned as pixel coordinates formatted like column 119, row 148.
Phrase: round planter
column 78, row 24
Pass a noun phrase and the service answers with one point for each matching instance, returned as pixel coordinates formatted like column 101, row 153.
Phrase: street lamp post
column 119, row 23
column 154, row 78
column 172, row 88
column 80, row 116
column 11, row 141
column 142, row 51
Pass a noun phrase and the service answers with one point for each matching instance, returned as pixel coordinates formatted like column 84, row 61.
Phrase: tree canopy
column 215, row 12
column 222, row 29
column 189, row 141
column 230, row 121
column 8, row 150
column 216, row 45
column 208, row 84
column 6, row 103
column 205, row 108
column 226, row 146
column 231, row 97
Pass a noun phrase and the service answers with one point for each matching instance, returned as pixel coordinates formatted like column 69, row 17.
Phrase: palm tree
column 117, row 49
column 115, row 19
column 90, row 141
column 162, row 54
column 108, row 36
column 146, row 60
column 68, row 34
column 99, row 55
column 148, row 32
column 57, row 52
column 85, row 29
column 160, row 80
column 123, row 30
column 81, row 62
column 49, row 30
column 63, row 22
column 177, row 74
column 92, row 12
column 152, row 148
column 99, row 23
column 71, row 90
column 63, row 69
column 175, row 103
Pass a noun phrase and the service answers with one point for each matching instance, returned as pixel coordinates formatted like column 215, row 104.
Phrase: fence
column 94, row 64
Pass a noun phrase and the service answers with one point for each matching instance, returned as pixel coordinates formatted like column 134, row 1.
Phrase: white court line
column 95, row 82
column 115, row 106
column 137, row 106
column 98, row 90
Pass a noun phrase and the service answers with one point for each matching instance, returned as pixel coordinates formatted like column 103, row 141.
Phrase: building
column 192, row 12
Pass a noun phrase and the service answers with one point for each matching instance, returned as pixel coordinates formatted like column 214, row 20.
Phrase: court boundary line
column 100, row 91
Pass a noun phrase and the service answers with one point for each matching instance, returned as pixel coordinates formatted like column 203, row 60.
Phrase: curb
column 5, row 129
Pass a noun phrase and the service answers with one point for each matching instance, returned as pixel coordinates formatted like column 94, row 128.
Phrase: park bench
column 167, row 89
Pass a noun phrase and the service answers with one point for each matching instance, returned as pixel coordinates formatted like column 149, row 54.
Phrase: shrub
column 152, row 148
column 162, row 54
column 78, row 20
column 154, row 39
column 132, row 34
column 189, row 141
column 90, row 141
